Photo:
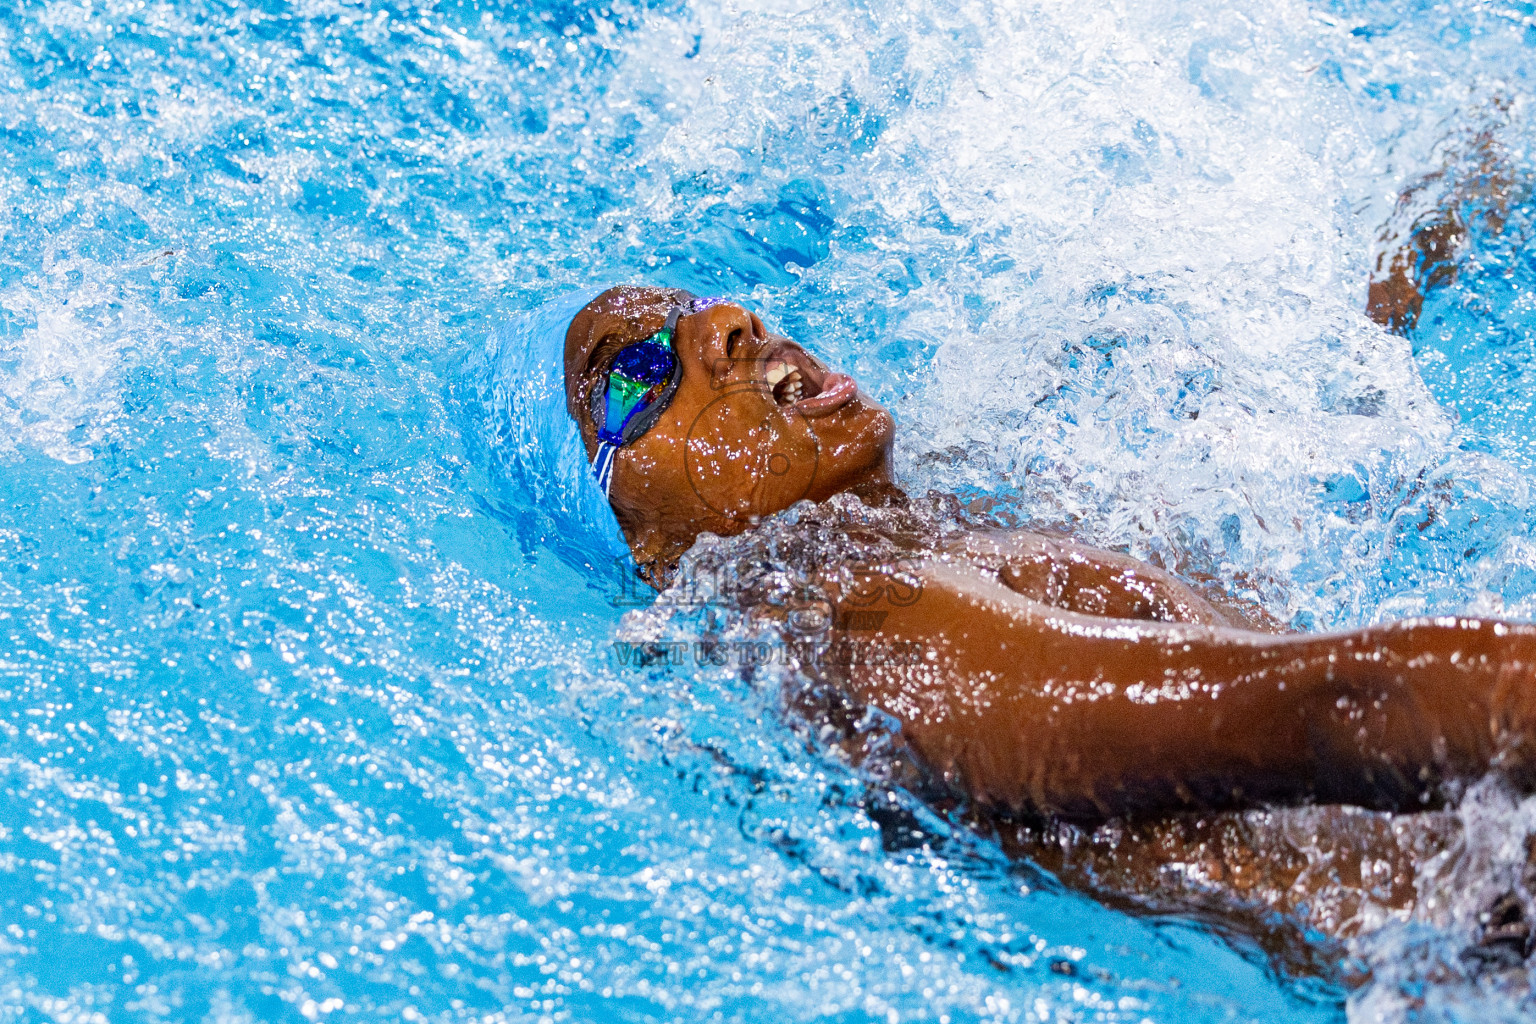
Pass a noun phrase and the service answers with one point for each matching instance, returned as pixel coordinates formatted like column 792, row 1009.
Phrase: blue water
column 303, row 716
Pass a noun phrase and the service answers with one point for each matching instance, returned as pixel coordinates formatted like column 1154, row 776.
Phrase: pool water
column 306, row 717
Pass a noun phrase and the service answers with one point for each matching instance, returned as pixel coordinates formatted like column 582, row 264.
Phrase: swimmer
column 1058, row 685
column 1060, row 680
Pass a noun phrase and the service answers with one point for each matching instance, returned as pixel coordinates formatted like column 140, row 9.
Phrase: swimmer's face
column 756, row 425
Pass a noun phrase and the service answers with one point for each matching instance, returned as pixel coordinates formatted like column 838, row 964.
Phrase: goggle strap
column 671, row 324
column 602, row 465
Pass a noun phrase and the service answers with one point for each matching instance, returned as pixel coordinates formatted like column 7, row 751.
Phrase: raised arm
column 1026, row 707
column 1420, row 245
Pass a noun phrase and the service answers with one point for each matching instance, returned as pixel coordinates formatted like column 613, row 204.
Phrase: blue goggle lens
column 647, row 362
column 641, row 382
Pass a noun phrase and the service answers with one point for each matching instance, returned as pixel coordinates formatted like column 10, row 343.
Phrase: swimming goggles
column 642, row 381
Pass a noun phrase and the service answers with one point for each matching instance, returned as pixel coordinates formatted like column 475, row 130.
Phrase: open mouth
column 797, row 381
column 790, row 379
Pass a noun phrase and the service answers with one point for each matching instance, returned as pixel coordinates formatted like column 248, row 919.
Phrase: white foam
column 60, row 389
column 1135, row 242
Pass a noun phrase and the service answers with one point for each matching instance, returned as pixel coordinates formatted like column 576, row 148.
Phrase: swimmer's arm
column 1420, row 245
column 1025, row 707
column 1408, row 269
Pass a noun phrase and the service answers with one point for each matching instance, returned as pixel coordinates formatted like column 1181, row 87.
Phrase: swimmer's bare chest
column 1059, row 573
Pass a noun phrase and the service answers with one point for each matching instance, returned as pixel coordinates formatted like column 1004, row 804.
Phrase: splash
column 304, row 718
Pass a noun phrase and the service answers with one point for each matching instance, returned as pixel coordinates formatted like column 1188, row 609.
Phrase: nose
column 722, row 333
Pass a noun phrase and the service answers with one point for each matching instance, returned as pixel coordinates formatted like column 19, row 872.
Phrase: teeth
column 785, row 380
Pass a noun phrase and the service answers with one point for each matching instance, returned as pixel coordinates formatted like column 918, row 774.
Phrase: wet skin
column 1423, row 240
column 1060, row 680
column 725, row 451
column 1072, row 685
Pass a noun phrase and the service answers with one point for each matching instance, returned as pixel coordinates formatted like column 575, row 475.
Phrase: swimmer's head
column 755, row 425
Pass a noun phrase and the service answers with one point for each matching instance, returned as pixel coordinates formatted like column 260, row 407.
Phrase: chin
column 861, row 456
